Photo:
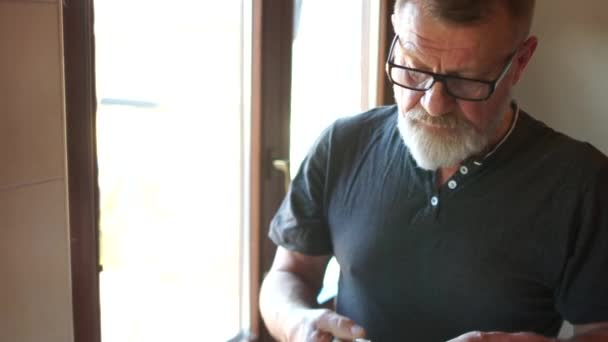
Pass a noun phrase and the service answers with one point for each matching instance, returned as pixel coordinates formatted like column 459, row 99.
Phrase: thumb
column 339, row 326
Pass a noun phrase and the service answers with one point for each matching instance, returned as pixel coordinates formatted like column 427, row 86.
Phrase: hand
column 322, row 325
column 478, row 336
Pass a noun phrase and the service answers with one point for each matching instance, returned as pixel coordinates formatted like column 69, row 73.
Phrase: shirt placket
column 453, row 184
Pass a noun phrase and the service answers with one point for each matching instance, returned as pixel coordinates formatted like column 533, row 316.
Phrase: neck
column 503, row 128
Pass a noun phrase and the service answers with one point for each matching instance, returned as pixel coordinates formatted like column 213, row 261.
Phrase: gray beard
column 432, row 151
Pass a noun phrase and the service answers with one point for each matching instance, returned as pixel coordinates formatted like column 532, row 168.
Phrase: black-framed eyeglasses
column 463, row 88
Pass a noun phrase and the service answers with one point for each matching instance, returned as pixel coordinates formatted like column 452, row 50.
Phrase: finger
column 523, row 336
column 468, row 337
column 319, row 336
column 498, row 336
column 339, row 326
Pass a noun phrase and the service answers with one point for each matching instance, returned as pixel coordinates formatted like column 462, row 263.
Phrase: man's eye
column 415, row 76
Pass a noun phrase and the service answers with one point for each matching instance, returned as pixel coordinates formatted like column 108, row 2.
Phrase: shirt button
column 464, row 170
column 452, row 184
column 434, row 201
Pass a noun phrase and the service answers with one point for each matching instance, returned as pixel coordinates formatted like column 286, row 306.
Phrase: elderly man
column 454, row 214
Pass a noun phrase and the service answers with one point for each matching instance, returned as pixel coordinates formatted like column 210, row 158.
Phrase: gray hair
column 472, row 11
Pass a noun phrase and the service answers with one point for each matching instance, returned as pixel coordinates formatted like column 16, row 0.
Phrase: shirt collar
column 515, row 106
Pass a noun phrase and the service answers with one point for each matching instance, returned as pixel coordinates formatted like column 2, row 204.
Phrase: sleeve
column 300, row 223
column 582, row 296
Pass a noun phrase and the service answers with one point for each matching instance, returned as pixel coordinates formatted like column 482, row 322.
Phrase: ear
column 524, row 57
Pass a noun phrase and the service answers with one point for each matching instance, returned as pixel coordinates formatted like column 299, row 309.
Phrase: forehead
column 431, row 38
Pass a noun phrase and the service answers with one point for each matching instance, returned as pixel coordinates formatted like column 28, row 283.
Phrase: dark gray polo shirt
column 517, row 241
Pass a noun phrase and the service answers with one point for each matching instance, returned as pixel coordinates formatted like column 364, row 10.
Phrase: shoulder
column 363, row 127
column 347, row 137
column 556, row 149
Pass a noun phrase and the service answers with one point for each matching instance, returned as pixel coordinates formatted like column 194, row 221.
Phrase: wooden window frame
column 271, row 101
column 271, row 94
column 83, row 193
column 385, row 89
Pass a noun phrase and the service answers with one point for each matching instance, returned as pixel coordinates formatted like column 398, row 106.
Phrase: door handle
column 282, row 165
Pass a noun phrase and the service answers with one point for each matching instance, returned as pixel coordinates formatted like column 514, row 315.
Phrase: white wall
column 35, row 285
column 567, row 82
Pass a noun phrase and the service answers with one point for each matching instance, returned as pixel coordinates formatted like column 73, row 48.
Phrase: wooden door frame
column 385, row 89
column 83, row 193
column 271, row 106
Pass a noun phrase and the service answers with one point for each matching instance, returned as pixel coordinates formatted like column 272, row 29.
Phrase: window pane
column 331, row 58
column 170, row 168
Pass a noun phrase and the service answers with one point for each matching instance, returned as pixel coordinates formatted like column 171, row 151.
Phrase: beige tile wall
column 565, row 85
column 35, row 285
column 31, row 89
column 33, row 264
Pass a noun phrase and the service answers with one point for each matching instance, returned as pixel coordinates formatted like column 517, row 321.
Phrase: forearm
column 281, row 295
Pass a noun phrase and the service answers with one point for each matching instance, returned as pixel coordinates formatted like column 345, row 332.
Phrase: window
column 335, row 56
column 172, row 149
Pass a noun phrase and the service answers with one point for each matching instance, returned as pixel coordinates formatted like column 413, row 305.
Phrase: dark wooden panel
column 385, row 89
column 272, row 55
column 82, row 167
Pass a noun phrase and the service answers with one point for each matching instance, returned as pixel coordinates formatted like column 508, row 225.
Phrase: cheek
column 483, row 114
column 406, row 99
column 477, row 114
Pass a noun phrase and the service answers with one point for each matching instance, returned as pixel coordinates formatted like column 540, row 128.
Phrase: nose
column 436, row 101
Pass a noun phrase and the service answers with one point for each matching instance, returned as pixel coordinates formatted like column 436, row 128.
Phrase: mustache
column 447, row 120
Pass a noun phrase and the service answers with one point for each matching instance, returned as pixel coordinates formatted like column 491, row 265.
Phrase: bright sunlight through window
column 171, row 155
